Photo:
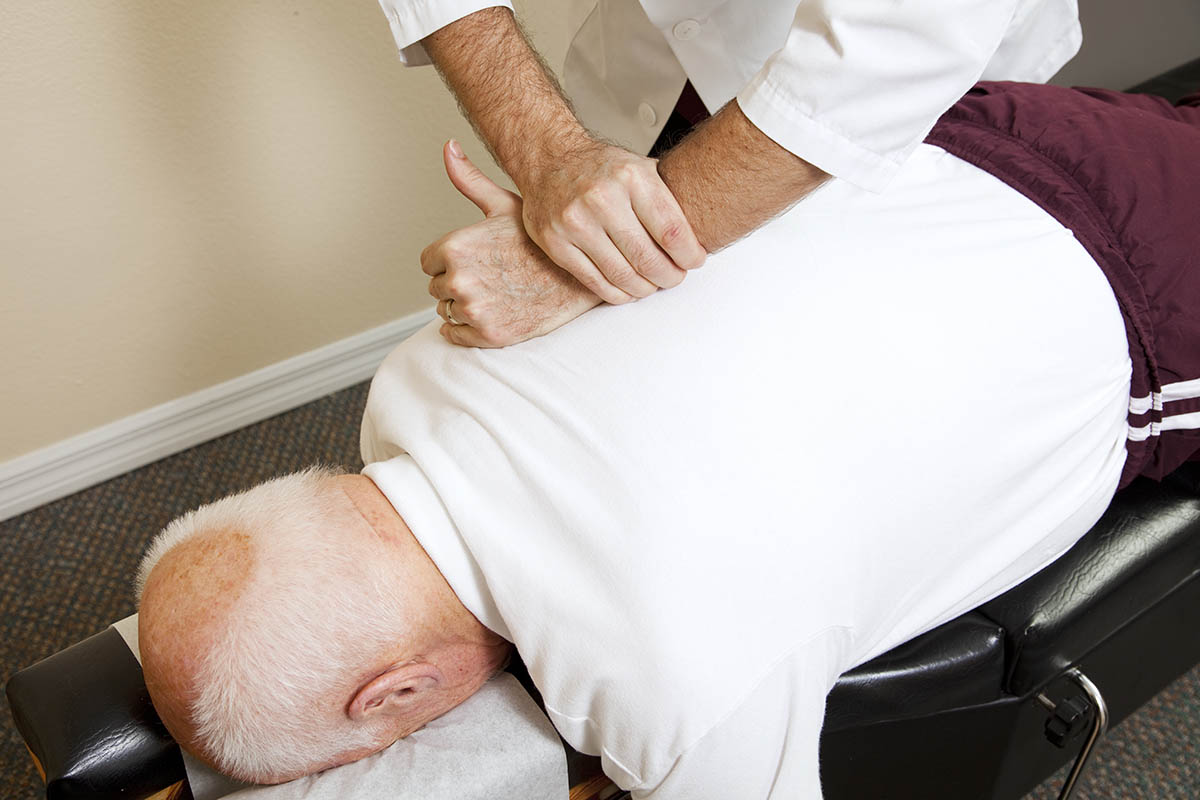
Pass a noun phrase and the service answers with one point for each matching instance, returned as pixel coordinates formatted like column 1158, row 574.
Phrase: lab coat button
column 646, row 115
column 687, row 29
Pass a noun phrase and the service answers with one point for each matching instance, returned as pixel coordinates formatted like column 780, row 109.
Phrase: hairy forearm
column 507, row 93
column 730, row 178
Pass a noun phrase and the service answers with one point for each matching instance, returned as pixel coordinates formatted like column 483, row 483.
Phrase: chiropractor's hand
column 600, row 212
column 491, row 278
column 603, row 214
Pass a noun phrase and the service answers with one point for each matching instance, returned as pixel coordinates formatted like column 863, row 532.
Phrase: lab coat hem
column 810, row 139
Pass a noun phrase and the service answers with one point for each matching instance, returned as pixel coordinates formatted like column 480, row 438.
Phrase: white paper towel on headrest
column 496, row 744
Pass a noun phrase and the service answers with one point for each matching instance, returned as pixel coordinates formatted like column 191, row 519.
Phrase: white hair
column 310, row 613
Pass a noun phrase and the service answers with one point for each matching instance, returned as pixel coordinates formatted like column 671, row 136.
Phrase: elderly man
column 692, row 513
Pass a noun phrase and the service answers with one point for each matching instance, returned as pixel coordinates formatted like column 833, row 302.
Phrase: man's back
column 662, row 504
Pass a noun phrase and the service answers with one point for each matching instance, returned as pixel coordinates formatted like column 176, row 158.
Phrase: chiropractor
column 846, row 88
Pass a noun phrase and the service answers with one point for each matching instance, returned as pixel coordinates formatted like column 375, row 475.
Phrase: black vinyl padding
column 1145, row 548
column 86, row 716
column 956, row 665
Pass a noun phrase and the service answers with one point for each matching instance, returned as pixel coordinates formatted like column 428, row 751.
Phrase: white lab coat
column 851, row 86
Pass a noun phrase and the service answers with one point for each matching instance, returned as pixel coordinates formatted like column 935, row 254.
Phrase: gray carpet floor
column 67, row 569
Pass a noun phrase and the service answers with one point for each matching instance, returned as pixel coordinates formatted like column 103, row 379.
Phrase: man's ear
column 400, row 691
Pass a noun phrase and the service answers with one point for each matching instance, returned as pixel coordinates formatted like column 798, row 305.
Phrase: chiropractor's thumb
column 481, row 190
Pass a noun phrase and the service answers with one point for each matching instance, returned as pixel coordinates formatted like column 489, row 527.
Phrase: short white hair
column 311, row 611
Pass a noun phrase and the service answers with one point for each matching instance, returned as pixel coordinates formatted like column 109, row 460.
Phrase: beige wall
column 1125, row 43
column 192, row 191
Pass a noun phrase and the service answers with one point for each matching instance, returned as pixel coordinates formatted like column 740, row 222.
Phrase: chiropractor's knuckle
column 621, row 275
column 559, row 247
column 630, row 173
column 673, row 231
column 573, row 218
column 678, row 235
column 644, row 257
column 674, row 225
column 600, row 197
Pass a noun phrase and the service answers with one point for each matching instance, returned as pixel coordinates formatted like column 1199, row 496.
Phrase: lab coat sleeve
column 769, row 747
column 413, row 20
column 860, row 83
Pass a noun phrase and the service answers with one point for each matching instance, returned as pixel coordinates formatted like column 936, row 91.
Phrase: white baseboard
column 56, row 471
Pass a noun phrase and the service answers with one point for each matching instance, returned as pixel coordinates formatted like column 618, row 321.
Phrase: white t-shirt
column 692, row 512
column 851, row 86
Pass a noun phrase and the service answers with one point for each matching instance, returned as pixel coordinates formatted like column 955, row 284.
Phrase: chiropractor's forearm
column 506, row 92
column 730, row 178
column 598, row 211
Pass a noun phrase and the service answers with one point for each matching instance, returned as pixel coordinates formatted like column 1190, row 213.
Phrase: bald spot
column 188, row 596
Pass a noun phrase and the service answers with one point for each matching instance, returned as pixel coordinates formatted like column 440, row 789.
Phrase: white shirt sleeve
column 413, row 20
column 860, row 83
